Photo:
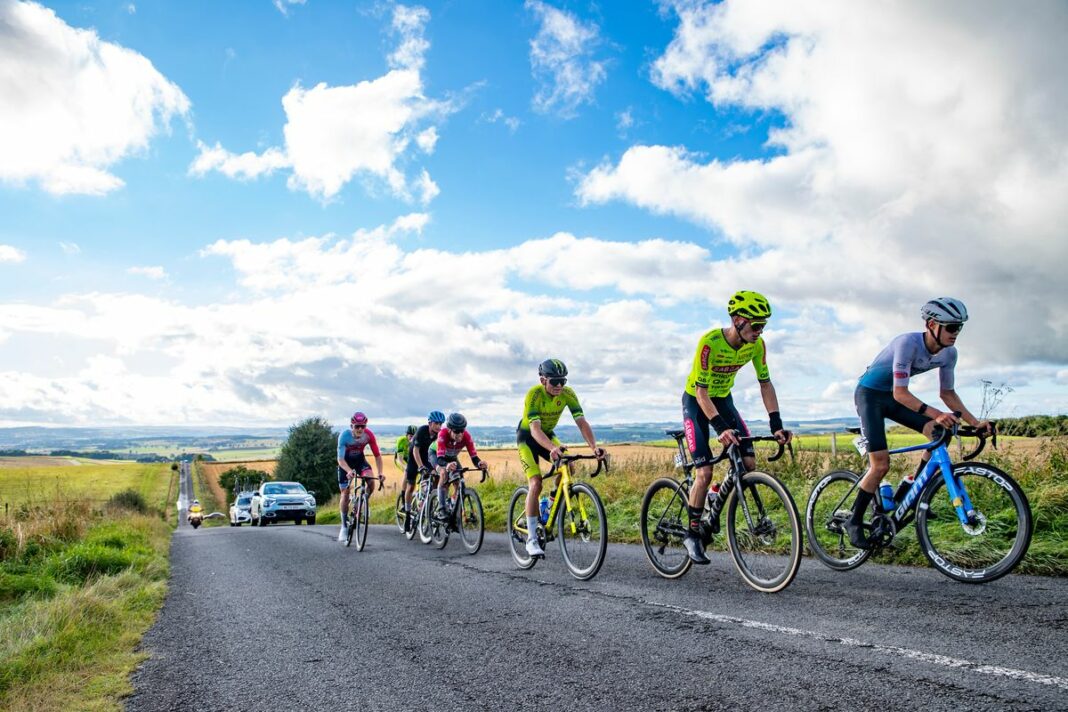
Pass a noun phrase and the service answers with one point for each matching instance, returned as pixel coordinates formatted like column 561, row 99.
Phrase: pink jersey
column 350, row 446
column 449, row 447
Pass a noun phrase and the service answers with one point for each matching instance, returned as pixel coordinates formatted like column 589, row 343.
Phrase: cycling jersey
column 350, row 446
column 546, row 409
column 907, row 356
column 401, row 450
column 716, row 363
column 450, row 447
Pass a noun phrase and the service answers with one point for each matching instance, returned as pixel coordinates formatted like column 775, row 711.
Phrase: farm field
column 90, row 481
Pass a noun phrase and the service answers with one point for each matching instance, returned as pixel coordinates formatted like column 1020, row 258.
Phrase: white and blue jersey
column 908, row 356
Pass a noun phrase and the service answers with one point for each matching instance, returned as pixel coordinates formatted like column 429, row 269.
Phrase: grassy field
column 83, row 570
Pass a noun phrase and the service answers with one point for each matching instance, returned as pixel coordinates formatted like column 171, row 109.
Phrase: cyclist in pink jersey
column 452, row 440
column 351, row 461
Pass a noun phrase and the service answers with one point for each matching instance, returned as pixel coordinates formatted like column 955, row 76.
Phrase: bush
column 15, row 586
column 131, row 500
column 85, row 561
column 309, row 456
column 235, row 476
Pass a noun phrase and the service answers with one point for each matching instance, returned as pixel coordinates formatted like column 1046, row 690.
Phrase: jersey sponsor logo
column 901, row 374
column 691, row 438
column 727, row 369
column 705, row 351
column 558, row 402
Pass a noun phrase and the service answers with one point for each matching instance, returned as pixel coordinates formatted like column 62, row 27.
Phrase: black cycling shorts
column 696, row 425
column 874, row 406
column 358, row 463
column 411, row 471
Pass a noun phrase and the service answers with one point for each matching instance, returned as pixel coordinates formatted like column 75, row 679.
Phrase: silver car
column 241, row 509
column 282, row 501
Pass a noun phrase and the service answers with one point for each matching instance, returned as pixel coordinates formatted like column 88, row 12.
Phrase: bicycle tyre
column 472, row 521
column 827, row 539
column 423, row 523
column 659, row 534
column 351, row 528
column 991, row 491
column 572, row 542
column 517, row 539
column 414, row 527
column 439, row 531
column 769, row 568
column 399, row 516
column 362, row 520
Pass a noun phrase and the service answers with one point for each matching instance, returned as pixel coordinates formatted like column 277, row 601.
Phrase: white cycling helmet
column 945, row 310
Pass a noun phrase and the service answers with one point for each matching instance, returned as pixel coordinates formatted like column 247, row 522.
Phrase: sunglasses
column 454, row 431
column 359, row 427
column 953, row 328
column 557, row 382
column 757, row 325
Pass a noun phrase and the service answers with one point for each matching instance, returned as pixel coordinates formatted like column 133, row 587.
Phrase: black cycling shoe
column 407, row 522
column 695, row 548
column 857, row 537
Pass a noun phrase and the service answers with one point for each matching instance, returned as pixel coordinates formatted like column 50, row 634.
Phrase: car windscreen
column 282, row 488
column 244, row 502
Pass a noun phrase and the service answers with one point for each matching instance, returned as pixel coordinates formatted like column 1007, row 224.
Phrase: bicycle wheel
column 583, row 532
column 991, row 546
column 351, row 528
column 517, row 529
column 399, row 515
column 414, row 525
column 764, row 532
column 362, row 520
column 472, row 524
column 825, row 515
column 423, row 523
column 439, row 531
column 664, row 521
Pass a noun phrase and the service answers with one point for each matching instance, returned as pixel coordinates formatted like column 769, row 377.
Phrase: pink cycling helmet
column 358, row 418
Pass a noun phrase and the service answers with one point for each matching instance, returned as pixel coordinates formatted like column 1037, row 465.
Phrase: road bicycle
column 762, row 522
column 576, row 515
column 359, row 510
column 420, row 517
column 973, row 520
column 463, row 516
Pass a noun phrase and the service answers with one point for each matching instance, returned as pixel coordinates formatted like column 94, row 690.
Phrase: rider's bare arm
column 953, row 401
column 587, row 434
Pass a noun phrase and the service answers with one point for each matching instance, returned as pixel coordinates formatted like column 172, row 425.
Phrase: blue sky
column 434, row 197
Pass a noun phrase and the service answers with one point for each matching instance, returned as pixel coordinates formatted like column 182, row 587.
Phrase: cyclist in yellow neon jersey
column 542, row 408
column 721, row 353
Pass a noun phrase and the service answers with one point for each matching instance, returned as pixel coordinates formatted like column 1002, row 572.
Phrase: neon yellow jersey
column 540, row 406
column 716, row 363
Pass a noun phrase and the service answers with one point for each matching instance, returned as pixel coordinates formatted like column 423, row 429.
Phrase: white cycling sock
column 532, row 528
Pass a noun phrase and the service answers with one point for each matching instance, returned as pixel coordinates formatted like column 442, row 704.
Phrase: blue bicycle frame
column 902, row 515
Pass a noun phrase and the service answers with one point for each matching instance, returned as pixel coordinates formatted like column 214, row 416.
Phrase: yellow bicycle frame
column 563, row 484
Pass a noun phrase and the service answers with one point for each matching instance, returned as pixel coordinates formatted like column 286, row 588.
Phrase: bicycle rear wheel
column 472, row 524
column 413, row 526
column 583, row 532
column 439, row 531
column 517, row 529
column 423, row 525
column 362, row 520
column 664, row 520
column 825, row 515
column 399, row 514
column 994, row 543
column 764, row 532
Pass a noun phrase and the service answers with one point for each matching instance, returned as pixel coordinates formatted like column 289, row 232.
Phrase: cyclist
column 542, row 409
column 351, row 461
column 419, row 459
column 883, row 392
column 400, row 451
column 721, row 353
column 453, row 439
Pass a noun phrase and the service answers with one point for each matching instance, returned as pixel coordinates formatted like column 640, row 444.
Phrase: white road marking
column 934, row 658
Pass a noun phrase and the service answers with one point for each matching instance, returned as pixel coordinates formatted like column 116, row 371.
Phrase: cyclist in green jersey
column 721, row 353
column 542, row 408
column 400, row 452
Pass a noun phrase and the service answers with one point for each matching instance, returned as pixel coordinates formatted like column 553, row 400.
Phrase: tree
column 241, row 476
column 309, row 456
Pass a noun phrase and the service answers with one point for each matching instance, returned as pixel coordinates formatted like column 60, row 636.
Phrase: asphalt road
column 285, row 617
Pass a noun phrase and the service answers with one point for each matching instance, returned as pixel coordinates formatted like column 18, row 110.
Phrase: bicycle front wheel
column 362, row 520
column 472, row 524
column 764, row 532
column 399, row 514
column 583, row 532
column 423, row 524
column 825, row 516
column 664, row 521
column 517, row 529
column 991, row 544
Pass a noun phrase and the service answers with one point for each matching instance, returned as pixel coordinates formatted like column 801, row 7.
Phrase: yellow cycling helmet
column 751, row 305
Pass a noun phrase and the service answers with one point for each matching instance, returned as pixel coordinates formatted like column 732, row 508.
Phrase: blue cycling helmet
column 435, row 416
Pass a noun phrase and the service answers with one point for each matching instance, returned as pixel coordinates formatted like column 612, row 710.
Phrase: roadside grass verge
column 206, row 488
column 94, row 483
column 79, row 586
column 1043, row 475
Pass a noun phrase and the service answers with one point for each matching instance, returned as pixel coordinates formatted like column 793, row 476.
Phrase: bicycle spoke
column 583, row 531
column 664, row 521
column 763, row 531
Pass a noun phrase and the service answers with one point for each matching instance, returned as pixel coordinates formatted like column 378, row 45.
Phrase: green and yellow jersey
column 716, row 363
column 546, row 409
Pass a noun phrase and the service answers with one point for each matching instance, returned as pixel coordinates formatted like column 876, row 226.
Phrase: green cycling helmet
column 750, row 305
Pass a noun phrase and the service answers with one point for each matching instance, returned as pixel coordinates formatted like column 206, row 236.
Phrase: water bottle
column 546, row 503
column 886, row 493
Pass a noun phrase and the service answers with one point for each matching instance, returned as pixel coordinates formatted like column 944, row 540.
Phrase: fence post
column 834, row 446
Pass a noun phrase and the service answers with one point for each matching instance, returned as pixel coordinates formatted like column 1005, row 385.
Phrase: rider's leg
column 878, row 466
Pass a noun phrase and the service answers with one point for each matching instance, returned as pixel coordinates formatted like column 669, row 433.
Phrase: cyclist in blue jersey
column 883, row 392
column 351, row 461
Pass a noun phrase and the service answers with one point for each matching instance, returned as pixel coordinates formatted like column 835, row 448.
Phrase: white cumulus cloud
column 152, row 272
column 73, row 105
column 562, row 59
column 334, row 134
column 11, row 254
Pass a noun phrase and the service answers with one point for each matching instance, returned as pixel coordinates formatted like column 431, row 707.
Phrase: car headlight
column 310, row 501
column 268, row 502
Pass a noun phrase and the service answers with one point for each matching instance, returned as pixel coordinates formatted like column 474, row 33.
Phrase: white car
column 241, row 509
column 279, row 501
